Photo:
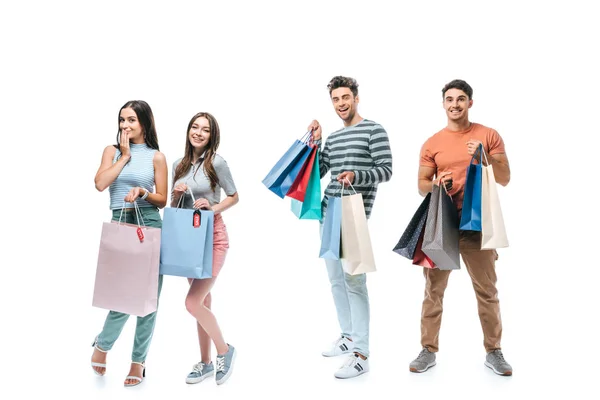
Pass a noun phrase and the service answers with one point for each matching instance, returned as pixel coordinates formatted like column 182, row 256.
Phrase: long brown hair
column 209, row 154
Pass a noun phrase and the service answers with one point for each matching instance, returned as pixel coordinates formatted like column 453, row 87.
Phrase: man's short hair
column 458, row 84
column 343, row 81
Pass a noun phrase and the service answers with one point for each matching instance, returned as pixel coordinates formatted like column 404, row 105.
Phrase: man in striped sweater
column 359, row 153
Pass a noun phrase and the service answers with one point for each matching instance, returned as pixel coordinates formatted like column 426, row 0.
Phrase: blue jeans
column 115, row 321
column 351, row 300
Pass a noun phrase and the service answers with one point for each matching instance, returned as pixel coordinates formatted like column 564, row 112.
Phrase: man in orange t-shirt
column 445, row 158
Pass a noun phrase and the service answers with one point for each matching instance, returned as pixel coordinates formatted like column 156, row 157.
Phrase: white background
column 262, row 68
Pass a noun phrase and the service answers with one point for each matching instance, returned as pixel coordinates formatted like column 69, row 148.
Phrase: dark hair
column 213, row 144
column 458, row 84
column 146, row 118
column 343, row 81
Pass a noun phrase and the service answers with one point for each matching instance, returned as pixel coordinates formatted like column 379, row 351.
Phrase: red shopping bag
column 298, row 189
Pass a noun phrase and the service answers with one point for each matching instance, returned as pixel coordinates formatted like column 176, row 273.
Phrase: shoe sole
column 198, row 380
column 353, row 376
column 412, row 369
column 490, row 366
column 229, row 371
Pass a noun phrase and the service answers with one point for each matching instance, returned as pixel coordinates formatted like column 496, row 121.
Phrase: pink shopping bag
column 127, row 271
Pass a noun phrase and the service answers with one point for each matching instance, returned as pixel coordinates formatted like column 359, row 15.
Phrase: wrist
column 144, row 195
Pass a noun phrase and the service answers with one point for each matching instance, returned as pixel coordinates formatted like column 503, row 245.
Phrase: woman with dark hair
column 131, row 169
column 203, row 172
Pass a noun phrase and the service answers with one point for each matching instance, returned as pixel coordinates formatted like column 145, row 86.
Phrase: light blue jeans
column 115, row 321
column 351, row 300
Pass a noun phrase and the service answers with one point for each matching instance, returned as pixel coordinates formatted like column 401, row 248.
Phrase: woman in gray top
column 203, row 172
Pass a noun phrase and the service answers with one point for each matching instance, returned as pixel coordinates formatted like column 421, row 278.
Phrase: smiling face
column 457, row 104
column 345, row 103
column 199, row 134
column 130, row 124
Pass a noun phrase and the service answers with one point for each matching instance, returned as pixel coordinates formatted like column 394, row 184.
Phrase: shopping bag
column 357, row 252
column 408, row 241
column 440, row 240
column 187, row 242
column 128, row 267
column 470, row 219
column 493, row 231
column 282, row 175
column 310, row 208
column 300, row 185
column 331, row 233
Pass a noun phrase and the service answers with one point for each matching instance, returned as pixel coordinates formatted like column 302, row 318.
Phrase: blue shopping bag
column 282, row 175
column 470, row 219
column 186, row 247
column 332, row 230
column 310, row 208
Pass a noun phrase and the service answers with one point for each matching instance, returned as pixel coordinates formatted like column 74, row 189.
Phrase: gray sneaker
column 225, row 365
column 200, row 372
column 423, row 362
column 495, row 360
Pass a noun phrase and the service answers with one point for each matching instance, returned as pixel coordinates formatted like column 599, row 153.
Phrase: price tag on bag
column 197, row 219
column 140, row 234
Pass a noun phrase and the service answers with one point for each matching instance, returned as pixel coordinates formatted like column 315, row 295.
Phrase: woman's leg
column 195, row 304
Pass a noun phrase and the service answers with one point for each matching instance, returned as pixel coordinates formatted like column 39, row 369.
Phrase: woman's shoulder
column 176, row 163
column 110, row 150
column 159, row 157
column 219, row 160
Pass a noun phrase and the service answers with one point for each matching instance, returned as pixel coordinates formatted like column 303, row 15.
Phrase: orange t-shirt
column 447, row 151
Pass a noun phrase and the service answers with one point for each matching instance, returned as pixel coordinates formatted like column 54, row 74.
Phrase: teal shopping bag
column 310, row 208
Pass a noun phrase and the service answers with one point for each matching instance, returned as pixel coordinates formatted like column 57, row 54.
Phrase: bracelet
column 145, row 195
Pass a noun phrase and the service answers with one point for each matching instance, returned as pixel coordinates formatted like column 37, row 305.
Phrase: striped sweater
column 364, row 149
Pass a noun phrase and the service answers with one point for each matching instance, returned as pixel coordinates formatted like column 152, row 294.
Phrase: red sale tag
column 140, row 234
column 196, row 219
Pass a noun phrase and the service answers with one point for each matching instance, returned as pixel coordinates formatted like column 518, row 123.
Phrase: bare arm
column 159, row 199
column 426, row 181
column 499, row 163
column 108, row 172
column 228, row 202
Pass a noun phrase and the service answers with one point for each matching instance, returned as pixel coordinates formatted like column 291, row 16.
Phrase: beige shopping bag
column 493, row 232
column 357, row 252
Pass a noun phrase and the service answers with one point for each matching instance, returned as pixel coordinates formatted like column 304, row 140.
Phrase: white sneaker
column 339, row 347
column 354, row 366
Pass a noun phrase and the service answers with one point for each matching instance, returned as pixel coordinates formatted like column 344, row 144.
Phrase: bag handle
column 484, row 155
column 138, row 213
column 305, row 139
column 350, row 184
column 180, row 202
column 481, row 152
